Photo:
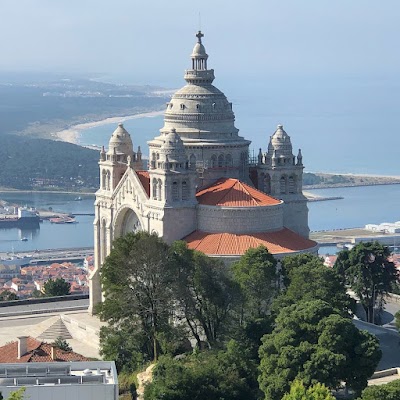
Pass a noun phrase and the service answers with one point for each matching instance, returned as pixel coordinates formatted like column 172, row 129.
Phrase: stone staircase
column 57, row 329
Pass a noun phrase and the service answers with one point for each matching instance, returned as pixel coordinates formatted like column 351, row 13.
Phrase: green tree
column 7, row 295
column 62, row 344
column 312, row 343
column 315, row 392
column 17, row 394
column 136, row 279
column 255, row 273
column 58, row 287
column 205, row 294
column 369, row 272
column 124, row 344
column 211, row 375
column 291, row 263
column 314, row 281
column 390, row 391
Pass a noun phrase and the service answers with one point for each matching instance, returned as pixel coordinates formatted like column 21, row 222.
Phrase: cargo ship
column 23, row 219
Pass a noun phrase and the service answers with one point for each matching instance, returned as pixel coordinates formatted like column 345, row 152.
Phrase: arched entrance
column 126, row 221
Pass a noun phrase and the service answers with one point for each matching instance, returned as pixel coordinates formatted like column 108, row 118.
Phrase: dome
column 199, row 50
column 280, row 144
column 199, row 110
column 120, row 141
column 173, row 148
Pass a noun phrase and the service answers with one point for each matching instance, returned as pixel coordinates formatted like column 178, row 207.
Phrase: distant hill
column 42, row 164
column 39, row 107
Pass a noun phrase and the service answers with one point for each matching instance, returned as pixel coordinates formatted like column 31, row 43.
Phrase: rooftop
column 229, row 192
column 230, row 244
column 36, row 351
column 144, row 178
column 94, row 372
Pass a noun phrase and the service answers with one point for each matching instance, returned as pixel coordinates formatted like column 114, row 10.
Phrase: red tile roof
column 144, row 178
column 283, row 241
column 37, row 352
column 230, row 192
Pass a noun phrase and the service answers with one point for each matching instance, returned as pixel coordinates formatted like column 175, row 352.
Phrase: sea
column 359, row 206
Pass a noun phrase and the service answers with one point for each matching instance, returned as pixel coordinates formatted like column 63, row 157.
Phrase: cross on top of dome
column 199, row 35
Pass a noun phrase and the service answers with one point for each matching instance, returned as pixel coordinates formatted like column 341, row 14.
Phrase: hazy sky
column 150, row 41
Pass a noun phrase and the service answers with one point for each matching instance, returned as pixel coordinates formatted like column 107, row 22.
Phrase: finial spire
column 199, row 35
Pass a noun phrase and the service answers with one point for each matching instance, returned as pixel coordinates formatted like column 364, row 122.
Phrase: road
column 48, row 308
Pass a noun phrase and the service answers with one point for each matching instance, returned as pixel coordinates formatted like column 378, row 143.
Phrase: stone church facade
column 200, row 185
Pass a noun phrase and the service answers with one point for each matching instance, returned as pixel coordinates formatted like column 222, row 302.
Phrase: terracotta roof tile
column 283, row 241
column 144, row 178
column 230, row 192
column 37, row 352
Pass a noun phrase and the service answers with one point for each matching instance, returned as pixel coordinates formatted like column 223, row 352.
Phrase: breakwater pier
column 55, row 255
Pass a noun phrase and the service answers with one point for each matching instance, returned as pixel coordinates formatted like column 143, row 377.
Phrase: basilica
column 200, row 185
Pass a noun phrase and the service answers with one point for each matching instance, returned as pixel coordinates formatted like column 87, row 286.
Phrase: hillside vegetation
column 42, row 164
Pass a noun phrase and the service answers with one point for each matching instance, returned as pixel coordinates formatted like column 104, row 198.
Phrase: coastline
column 73, row 133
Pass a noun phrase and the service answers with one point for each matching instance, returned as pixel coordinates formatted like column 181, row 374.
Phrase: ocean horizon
column 343, row 126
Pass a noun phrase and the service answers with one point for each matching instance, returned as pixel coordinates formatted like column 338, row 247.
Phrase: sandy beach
column 72, row 134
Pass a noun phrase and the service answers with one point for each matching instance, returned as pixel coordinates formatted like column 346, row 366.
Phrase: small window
column 182, row 106
column 282, row 185
column 197, row 106
column 175, row 191
column 185, row 190
column 291, row 185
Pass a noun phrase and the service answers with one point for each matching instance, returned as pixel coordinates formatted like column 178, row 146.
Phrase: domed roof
column 200, row 110
column 199, row 50
column 173, row 148
column 280, row 143
column 120, row 141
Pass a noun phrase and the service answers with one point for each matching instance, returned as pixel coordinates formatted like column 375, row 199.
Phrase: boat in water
column 24, row 239
column 63, row 220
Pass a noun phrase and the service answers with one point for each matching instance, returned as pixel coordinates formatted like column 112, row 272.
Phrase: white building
column 201, row 186
column 90, row 380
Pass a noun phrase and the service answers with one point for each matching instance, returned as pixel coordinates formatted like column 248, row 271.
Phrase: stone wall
column 240, row 219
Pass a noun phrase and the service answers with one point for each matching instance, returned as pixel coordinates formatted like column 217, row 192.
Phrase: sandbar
column 73, row 133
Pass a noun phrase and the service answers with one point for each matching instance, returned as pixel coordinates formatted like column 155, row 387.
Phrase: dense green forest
column 29, row 164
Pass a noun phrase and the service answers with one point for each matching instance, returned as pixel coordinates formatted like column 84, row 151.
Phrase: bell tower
column 173, row 187
column 280, row 174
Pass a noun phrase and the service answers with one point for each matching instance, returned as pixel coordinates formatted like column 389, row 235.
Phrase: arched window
column 108, row 180
column 291, row 185
column 228, row 160
column 185, row 190
column 182, row 106
column 175, row 191
column 153, row 160
column 159, row 196
column 154, row 189
column 221, row 159
column 213, row 161
column 282, row 182
column 104, row 179
column 103, row 240
column 192, row 161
